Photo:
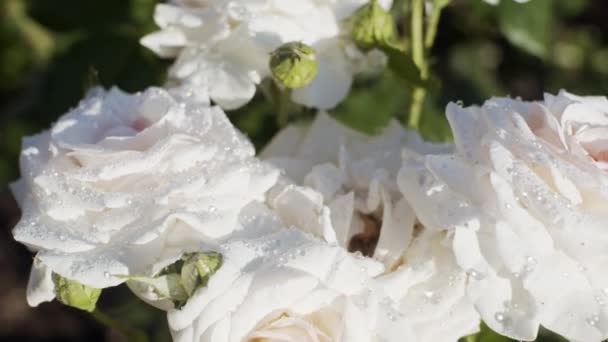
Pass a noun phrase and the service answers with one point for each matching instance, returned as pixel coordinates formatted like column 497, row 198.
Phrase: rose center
column 366, row 241
column 289, row 327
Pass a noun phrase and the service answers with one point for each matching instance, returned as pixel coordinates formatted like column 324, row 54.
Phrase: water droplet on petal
column 500, row 317
column 593, row 320
column 475, row 274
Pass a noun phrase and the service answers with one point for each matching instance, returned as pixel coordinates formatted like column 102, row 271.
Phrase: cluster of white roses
column 222, row 46
column 327, row 234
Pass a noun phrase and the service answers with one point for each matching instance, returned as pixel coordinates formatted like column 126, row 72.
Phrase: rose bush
column 124, row 184
column 524, row 197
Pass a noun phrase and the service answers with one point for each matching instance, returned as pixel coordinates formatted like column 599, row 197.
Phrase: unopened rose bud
column 293, row 64
column 75, row 294
column 372, row 26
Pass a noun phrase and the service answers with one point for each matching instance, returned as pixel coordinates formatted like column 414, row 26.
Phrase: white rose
column 342, row 187
column 525, row 197
column 224, row 46
column 354, row 176
column 126, row 183
column 288, row 286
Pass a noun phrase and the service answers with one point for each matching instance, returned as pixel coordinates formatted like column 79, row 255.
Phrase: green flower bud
column 372, row 26
column 75, row 294
column 293, row 65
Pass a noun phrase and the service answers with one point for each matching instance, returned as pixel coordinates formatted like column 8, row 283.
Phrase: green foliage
column 75, row 294
column 26, row 44
column 529, row 25
column 402, row 64
column 178, row 281
column 487, row 335
column 357, row 111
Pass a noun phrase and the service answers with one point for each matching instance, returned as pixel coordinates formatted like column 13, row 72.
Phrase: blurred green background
column 50, row 52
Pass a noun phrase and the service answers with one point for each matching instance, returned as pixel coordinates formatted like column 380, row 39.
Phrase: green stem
column 431, row 31
column 417, row 32
column 131, row 334
column 418, row 55
column 283, row 107
column 416, row 103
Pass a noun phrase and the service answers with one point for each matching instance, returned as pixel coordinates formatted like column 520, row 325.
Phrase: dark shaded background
column 51, row 50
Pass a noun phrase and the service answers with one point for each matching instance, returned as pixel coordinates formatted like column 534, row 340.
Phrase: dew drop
column 106, row 275
column 530, row 264
column 500, row 317
column 593, row 320
column 475, row 274
column 431, row 297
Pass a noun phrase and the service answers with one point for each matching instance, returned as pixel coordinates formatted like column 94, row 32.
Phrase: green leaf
column 166, row 286
column 485, row 334
column 75, row 294
column 527, row 25
column 206, row 264
column 371, row 104
column 178, row 281
column 403, row 66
